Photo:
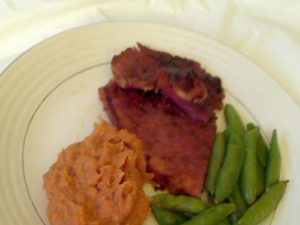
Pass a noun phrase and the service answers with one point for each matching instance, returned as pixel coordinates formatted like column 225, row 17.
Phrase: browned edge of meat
column 184, row 81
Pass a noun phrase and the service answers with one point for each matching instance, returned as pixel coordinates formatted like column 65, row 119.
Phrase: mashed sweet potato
column 99, row 181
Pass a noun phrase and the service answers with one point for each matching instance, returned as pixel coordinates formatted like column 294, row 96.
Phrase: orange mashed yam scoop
column 99, row 181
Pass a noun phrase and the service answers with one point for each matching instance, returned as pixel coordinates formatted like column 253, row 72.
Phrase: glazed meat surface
column 169, row 103
column 184, row 81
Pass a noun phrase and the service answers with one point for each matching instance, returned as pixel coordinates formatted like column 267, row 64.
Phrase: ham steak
column 184, row 81
column 169, row 103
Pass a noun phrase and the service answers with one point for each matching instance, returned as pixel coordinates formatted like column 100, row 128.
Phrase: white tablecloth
column 267, row 32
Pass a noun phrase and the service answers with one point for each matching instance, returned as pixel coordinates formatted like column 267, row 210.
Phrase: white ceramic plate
column 49, row 99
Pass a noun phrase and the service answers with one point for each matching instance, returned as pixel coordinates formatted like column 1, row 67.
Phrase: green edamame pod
column 234, row 219
column 224, row 222
column 249, row 171
column 274, row 162
column 262, row 150
column 237, row 199
column 240, row 203
column 181, row 203
column 260, row 179
column 215, row 163
column 166, row 217
column 231, row 167
column 212, row 216
column 262, row 147
column 233, row 120
column 250, row 126
column 265, row 205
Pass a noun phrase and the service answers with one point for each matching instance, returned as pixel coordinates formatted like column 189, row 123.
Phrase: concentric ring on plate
column 26, row 82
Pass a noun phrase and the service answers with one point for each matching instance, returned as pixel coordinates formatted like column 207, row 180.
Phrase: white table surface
column 267, row 32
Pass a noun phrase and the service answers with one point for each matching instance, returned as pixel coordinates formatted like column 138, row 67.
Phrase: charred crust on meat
column 182, row 80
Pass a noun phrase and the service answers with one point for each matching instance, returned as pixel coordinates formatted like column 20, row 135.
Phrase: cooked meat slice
column 177, row 148
column 169, row 103
column 184, row 81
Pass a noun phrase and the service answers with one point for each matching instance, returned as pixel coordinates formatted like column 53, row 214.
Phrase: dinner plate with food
column 143, row 124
